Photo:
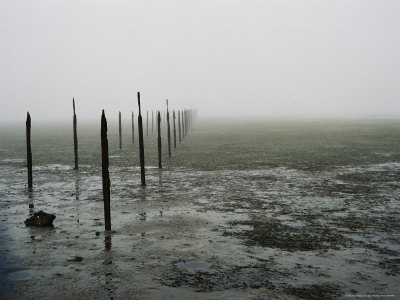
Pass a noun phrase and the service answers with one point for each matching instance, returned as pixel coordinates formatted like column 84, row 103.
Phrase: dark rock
column 76, row 258
column 41, row 219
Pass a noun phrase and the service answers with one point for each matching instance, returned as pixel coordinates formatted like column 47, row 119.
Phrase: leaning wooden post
column 173, row 116
column 75, row 136
column 141, row 144
column 147, row 124
column 120, row 132
column 179, row 126
column 133, row 129
column 29, row 150
column 105, row 173
column 159, row 139
column 169, row 133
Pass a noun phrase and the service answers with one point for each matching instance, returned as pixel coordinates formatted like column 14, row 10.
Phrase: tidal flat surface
column 246, row 210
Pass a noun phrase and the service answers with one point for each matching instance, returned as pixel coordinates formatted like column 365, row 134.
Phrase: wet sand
column 247, row 211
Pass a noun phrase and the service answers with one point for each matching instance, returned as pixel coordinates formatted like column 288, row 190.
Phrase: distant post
column 186, row 124
column 141, row 144
column 105, row 173
column 133, row 129
column 152, row 123
column 120, row 132
column 159, row 139
column 173, row 116
column 147, row 124
column 169, row 133
column 179, row 126
column 183, row 125
column 75, row 136
column 29, row 150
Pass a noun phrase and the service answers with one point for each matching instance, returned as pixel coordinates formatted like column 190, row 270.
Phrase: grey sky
column 260, row 58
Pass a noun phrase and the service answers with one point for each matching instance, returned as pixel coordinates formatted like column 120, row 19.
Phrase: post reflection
column 77, row 188
column 107, row 242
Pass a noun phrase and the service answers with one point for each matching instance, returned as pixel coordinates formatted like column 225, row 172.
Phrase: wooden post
column 147, row 124
column 169, row 133
column 75, row 136
column 120, row 132
column 159, row 139
column 152, row 121
column 133, row 129
column 173, row 116
column 183, row 125
column 141, row 144
column 29, row 150
column 105, row 173
column 179, row 126
column 186, row 123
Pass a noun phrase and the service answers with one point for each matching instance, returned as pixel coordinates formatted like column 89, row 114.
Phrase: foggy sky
column 257, row 59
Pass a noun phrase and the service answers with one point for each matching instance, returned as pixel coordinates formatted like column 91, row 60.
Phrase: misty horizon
column 226, row 59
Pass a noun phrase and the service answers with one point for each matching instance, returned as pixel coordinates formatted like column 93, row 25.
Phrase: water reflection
column 77, row 193
column 107, row 242
column 77, row 188
column 160, row 181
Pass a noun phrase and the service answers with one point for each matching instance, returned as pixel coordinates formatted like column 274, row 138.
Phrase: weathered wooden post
column 120, row 132
column 147, row 124
column 105, row 173
column 169, row 133
column 75, row 136
column 173, row 116
column 29, row 150
column 133, row 129
column 159, row 139
column 141, row 144
column 179, row 126
column 183, row 125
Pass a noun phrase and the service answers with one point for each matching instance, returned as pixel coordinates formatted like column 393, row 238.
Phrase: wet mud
column 256, row 211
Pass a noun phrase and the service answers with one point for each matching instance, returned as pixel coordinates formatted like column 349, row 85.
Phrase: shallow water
column 245, row 210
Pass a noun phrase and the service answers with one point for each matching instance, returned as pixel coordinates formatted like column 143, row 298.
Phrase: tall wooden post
column 120, row 132
column 105, row 173
column 29, row 150
column 173, row 116
column 147, row 124
column 152, row 121
column 141, row 144
column 159, row 139
column 133, row 129
column 179, row 126
column 75, row 136
column 169, row 133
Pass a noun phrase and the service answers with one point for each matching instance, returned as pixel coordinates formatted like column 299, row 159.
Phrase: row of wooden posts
column 185, row 118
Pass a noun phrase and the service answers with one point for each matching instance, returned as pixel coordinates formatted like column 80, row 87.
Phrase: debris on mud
column 268, row 232
column 40, row 219
column 76, row 258
column 316, row 291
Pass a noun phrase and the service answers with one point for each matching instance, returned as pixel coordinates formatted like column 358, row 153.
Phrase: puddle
column 20, row 275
